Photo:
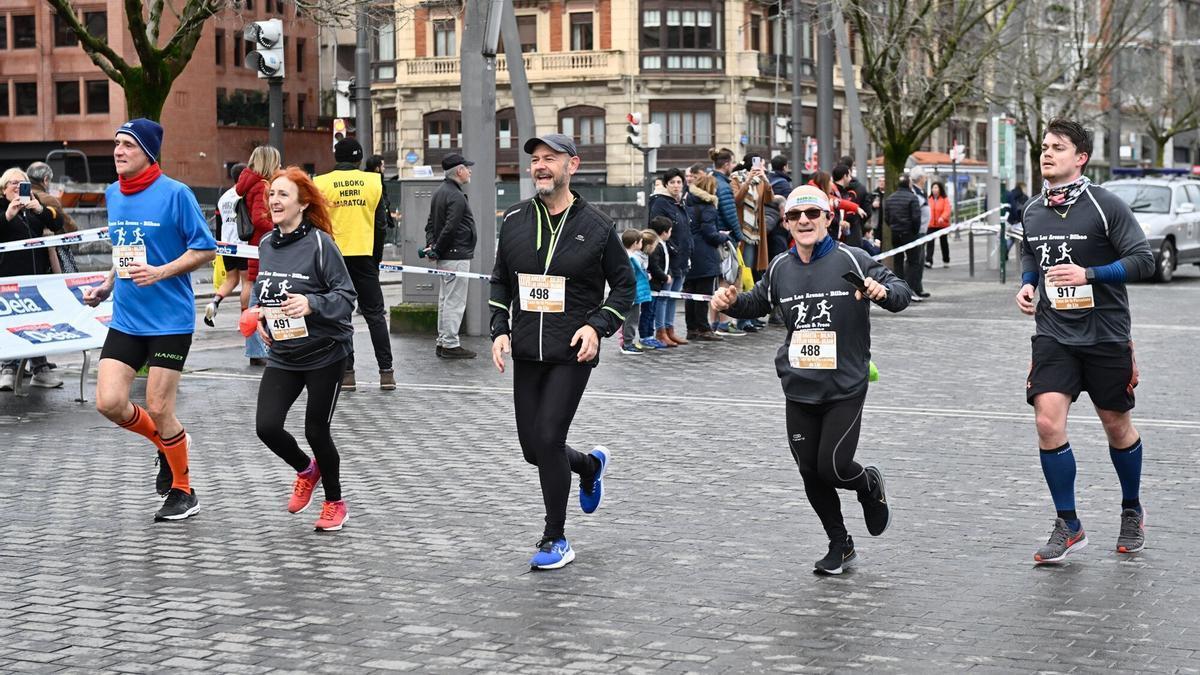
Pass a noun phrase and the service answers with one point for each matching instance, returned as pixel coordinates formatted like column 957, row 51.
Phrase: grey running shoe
column 46, row 379
column 876, row 511
column 178, row 505
column 1062, row 541
column 841, row 556
column 1133, row 531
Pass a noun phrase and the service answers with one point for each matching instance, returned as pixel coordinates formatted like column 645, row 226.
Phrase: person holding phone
column 824, row 361
column 307, row 299
column 24, row 217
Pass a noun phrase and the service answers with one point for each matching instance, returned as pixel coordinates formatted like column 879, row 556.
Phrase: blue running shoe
column 552, row 554
column 590, row 493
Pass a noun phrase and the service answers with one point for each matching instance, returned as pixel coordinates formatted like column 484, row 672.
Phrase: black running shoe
column 876, row 511
column 162, row 484
column 841, row 556
column 178, row 505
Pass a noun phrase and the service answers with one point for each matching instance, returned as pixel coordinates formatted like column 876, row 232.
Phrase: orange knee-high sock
column 141, row 423
column 176, row 451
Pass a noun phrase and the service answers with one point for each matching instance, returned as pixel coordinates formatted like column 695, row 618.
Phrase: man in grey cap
column 450, row 241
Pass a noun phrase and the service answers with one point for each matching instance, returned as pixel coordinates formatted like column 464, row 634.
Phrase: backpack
column 245, row 226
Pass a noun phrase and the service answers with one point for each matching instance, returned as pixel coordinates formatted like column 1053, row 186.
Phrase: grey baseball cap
column 556, row 142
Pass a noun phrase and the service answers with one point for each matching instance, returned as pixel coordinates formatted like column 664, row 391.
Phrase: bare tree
column 1058, row 55
column 147, row 80
column 1162, row 90
column 922, row 59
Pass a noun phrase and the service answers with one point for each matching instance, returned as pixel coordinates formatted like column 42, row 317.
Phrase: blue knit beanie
column 148, row 135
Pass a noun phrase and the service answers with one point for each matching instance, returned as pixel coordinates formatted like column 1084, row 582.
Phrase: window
column 584, row 123
column 581, row 31
column 300, row 44
column 1193, row 193
column 442, row 129
column 3, row 98
column 220, row 48
column 301, row 108
column 758, row 130
column 97, row 96
column 4, row 41
column 25, row 95
column 96, row 23
column 527, row 29
column 443, row 38
column 684, row 122
column 66, row 98
column 755, row 33
column 63, row 35
column 506, row 132
column 249, row 5
column 238, row 52
column 387, row 132
column 24, row 33
column 682, row 35
column 383, row 51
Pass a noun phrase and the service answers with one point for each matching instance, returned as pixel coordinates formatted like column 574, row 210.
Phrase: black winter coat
column 706, row 259
column 902, row 211
column 680, row 242
column 26, row 225
column 450, row 230
column 588, row 252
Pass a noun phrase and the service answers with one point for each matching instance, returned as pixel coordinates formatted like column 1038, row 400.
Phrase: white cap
column 806, row 196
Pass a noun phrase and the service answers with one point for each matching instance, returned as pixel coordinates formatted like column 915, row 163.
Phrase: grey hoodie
column 813, row 296
column 307, row 262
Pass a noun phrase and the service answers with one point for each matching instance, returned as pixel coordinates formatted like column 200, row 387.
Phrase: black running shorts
column 1106, row 371
column 235, row 263
column 158, row 351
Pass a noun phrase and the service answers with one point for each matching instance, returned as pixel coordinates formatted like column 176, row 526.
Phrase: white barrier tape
column 681, row 296
column 396, row 267
column 237, row 250
column 82, row 236
column 940, row 233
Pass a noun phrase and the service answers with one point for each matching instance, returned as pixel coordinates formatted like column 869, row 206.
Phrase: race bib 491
column 282, row 326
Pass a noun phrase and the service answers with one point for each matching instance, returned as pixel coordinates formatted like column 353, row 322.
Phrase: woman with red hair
column 306, row 299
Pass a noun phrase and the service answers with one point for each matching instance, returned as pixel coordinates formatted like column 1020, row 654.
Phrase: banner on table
column 45, row 314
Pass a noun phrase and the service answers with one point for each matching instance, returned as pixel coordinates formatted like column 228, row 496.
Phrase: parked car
column 1168, row 208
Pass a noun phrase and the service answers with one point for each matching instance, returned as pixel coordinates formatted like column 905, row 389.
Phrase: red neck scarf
column 131, row 186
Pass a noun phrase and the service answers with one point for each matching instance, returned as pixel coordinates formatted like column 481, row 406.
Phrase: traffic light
column 654, row 136
column 634, row 129
column 267, row 38
column 339, row 130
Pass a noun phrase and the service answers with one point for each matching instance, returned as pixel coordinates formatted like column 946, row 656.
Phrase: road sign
column 411, row 157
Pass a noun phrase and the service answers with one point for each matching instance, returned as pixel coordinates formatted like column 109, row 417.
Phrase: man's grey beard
column 559, row 181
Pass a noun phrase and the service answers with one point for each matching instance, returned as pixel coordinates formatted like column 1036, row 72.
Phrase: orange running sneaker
column 302, row 491
column 333, row 516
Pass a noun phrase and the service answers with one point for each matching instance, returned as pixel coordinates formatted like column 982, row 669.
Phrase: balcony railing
column 538, row 67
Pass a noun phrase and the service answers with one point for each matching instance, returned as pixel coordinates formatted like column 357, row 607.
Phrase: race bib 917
column 125, row 257
column 1070, row 297
column 813, row 350
column 542, row 293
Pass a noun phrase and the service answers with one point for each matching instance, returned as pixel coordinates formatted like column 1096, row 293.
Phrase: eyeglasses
column 811, row 214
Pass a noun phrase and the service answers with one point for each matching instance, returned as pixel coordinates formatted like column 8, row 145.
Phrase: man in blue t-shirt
column 159, row 236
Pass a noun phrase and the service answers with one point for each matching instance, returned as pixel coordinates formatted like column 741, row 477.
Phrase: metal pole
column 362, row 81
column 522, row 102
column 858, row 132
column 275, row 111
column 825, row 52
column 479, row 144
column 1114, row 116
column 798, row 28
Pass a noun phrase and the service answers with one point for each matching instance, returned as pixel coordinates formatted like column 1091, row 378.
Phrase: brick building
column 52, row 95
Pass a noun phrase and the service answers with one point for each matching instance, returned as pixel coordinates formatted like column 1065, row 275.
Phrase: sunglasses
column 811, row 214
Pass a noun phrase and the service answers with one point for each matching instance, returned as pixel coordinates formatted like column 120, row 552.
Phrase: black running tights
column 545, row 396
column 823, row 438
column 277, row 392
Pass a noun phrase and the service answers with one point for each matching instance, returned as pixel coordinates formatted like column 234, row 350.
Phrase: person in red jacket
column 939, row 219
column 252, row 187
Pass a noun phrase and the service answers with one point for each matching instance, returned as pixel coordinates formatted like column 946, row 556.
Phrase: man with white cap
column 159, row 236
column 821, row 289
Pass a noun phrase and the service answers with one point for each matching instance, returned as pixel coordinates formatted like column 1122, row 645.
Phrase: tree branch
column 93, row 46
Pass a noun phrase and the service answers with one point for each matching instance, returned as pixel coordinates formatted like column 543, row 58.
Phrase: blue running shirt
column 166, row 218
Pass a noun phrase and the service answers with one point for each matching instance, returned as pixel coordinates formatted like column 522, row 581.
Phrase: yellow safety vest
column 352, row 196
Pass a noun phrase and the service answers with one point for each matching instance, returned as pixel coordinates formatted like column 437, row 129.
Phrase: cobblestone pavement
column 699, row 559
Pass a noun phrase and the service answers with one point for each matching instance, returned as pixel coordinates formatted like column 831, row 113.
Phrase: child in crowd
column 632, row 241
column 652, row 249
